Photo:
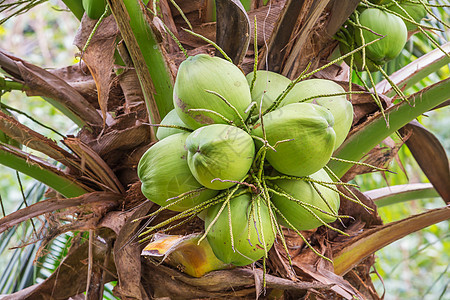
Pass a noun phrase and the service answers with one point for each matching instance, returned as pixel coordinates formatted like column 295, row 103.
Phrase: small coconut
column 301, row 216
column 267, row 87
column 171, row 118
column 251, row 228
column 222, row 152
column 164, row 173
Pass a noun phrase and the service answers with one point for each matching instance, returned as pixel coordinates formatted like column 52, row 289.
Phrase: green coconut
column 201, row 73
column 267, row 87
column 164, row 173
column 386, row 24
column 310, row 134
column 171, row 118
column 389, row 25
column 299, row 216
column 339, row 106
column 245, row 220
column 416, row 10
column 219, row 151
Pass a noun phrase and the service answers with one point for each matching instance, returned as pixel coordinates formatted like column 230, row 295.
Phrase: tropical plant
column 93, row 213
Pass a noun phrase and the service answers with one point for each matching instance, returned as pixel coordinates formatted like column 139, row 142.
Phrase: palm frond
column 14, row 8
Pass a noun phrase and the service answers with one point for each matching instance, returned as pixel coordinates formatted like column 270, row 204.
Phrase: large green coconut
column 171, row 118
column 164, row 173
column 244, row 220
column 389, row 25
column 386, row 24
column 267, row 87
column 308, row 135
column 339, row 106
column 299, row 216
column 201, row 73
column 219, row 151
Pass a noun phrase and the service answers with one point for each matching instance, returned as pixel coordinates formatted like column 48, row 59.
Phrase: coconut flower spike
column 300, row 235
column 231, row 106
column 227, row 199
column 255, row 63
column 311, row 212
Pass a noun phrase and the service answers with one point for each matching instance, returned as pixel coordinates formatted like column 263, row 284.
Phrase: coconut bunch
column 246, row 154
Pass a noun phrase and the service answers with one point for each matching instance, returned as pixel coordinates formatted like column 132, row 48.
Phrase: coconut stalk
column 375, row 131
column 147, row 56
column 417, row 70
column 374, row 239
column 401, row 193
column 41, row 171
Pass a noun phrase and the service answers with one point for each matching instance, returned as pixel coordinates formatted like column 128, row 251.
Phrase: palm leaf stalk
column 360, row 143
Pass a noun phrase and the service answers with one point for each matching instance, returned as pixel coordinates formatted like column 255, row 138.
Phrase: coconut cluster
column 390, row 22
column 246, row 154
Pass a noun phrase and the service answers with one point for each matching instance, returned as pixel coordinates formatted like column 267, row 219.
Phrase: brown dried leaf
column 430, row 155
column 334, row 72
column 369, row 218
column 380, row 157
column 169, row 22
column 90, row 201
column 279, row 263
column 113, row 144
column 44, row 83
column 301, row 49
column 99, row 55
column 266, row 17
column 79, row 77
column 34, row 140
column 281, row 36
column 363, row 104
column 94, row 162
column 360, row 278
column 132, row 91
column 232, row 29
column 71, row 276
column 340, row 285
